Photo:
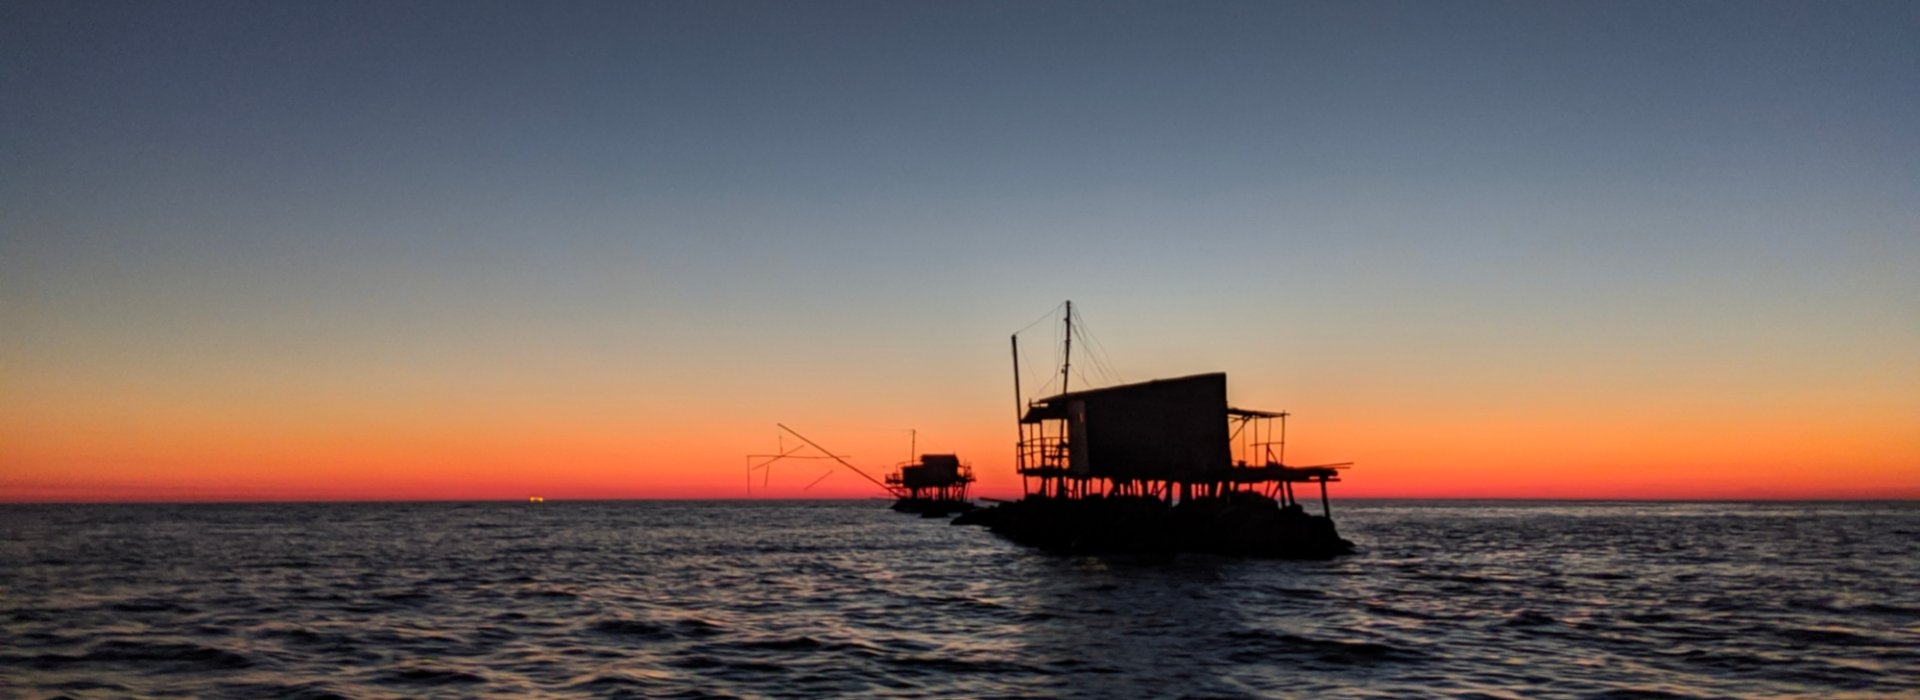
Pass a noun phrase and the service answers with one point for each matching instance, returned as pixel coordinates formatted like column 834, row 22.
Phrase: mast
column 1066, row 358
column 1066, row 363
column 1019, row 411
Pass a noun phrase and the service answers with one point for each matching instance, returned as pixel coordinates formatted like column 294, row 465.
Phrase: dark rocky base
column 1238, row 525
column 932, row 508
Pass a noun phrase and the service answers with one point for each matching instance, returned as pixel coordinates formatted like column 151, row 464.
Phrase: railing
column 1043, row 452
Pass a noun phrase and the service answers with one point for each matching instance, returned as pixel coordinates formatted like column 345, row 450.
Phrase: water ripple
column 801, row 599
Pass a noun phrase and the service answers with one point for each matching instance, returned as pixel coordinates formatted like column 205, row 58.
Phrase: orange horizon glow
column 580, row 467
column 88, row 451
column 726, row 479
column 347, row 446
column 216, row 493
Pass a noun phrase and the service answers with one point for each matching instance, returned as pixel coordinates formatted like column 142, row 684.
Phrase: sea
column 749, row 599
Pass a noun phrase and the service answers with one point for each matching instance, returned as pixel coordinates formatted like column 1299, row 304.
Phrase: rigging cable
column 1097, row 353
column 1049, row 315
column 1093, row 358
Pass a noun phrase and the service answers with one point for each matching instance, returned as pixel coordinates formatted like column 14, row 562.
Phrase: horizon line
column 692, row 499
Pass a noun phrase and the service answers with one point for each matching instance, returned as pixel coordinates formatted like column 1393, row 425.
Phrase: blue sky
column 1341, row 201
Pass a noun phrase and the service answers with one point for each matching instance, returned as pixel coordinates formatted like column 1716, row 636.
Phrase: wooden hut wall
column 1164, row 430
column 933, row 470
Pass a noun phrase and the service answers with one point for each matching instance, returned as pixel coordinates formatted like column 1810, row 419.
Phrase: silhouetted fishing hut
column 1162, row 465
column 1169, row 439
column 935, row 486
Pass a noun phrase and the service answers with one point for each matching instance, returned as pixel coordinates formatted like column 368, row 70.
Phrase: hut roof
column 1055, row 407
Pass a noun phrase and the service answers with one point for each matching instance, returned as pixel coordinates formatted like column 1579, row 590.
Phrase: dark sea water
column 804, row 599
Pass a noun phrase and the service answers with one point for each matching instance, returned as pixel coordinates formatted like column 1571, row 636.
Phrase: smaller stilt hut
column 934, row 487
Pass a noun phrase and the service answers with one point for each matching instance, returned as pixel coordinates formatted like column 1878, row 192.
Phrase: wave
column 764, row 600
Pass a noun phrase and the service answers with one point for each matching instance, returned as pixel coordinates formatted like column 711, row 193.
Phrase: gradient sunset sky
column 334, row 250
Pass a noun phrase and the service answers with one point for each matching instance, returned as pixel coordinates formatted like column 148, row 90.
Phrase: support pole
column 1283, row 438
column 869, row 477
column 1326, row 508
column 1019, row 406
column 1066, row 352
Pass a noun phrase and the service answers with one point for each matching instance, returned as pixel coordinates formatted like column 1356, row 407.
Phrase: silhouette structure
column 935, row 487
column 1151, row 467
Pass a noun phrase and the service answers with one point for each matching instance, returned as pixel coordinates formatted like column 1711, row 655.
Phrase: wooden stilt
column 1326, row 507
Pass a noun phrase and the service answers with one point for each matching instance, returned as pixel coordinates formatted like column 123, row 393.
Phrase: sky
column 472, row 250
